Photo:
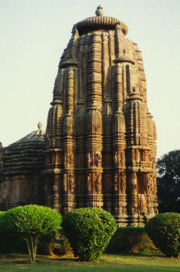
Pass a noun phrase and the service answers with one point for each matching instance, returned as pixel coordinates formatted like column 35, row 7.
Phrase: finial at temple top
column 40, row 125
column 99, row 11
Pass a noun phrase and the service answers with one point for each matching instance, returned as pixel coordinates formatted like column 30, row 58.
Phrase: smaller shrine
column 21, row 166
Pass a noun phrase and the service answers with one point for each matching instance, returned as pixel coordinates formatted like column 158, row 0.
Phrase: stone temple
column 99, row 149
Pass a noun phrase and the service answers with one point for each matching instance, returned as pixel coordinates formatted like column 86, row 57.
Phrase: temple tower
column 101, row 138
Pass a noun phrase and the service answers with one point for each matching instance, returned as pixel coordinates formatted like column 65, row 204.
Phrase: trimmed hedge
column 130, row 240
column 89, row 231
column 164, row 230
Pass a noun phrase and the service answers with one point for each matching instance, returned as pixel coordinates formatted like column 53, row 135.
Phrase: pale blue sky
column 33, row 34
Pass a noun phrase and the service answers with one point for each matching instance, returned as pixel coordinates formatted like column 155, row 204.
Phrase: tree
column 168, row 182
column 31, row 222
column 89, row 231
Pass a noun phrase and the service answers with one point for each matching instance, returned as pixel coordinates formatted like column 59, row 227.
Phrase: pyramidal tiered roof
column 26, row 155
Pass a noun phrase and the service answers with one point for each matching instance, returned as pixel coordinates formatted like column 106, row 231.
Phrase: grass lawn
column 107, row 263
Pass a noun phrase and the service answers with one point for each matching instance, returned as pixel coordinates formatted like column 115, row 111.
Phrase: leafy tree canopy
column 31, row 222
column 168, row 182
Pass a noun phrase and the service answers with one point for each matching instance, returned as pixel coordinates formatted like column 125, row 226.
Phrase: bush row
column 89, row 231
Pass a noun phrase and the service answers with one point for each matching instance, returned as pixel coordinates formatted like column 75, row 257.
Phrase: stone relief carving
column 134, row 184
column 72, row 183
column 71, row 159
column 98, row 184
column 123, row 183
column 89, row 159
column 116, row 159
column 65, row 183
column 89, row 182
column 98, row 158
column 142, row 207
column 115, row 182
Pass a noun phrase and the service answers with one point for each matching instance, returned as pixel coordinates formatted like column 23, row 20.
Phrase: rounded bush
column 31, row 223
column 164, row 230
column 89, row 231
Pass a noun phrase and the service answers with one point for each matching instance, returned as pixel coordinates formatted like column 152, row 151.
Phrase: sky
column 34, row 33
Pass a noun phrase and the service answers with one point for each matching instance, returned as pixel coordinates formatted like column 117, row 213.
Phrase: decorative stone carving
column 123, row 183
column 116, row 159
column 98, row 187
column 142, row 207
column 72, row 183
column 65, row 183
column 89, row 160
column 98, row 159
column 116, row 182
column 89, row 183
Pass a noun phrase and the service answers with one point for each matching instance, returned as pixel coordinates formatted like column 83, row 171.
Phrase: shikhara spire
column 101, row 138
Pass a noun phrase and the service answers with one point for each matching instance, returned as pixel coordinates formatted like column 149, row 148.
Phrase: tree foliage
column 31, row 222
column 164, row 230
column 168, row 182
column 89, row 231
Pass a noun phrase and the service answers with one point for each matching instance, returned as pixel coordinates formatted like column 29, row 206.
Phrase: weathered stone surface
column 101, row 138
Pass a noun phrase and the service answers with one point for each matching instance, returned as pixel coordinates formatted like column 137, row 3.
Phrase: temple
column 99, row 149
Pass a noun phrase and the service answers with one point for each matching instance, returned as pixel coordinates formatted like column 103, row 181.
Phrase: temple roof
column 99, row 22
column 26, row 155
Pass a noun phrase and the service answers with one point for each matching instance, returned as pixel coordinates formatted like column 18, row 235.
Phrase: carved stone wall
column 21, row 190
column 101, row 138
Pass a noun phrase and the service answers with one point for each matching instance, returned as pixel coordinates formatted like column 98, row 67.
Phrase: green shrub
column 130, row 240
column 31, row 223
column 164, row 230
column 89, row 231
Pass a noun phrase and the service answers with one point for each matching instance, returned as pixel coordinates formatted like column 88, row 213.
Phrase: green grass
column 108, row 263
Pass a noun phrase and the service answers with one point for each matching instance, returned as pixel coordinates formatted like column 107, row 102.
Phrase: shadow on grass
column 141, row 254
column 40, row 259
column 63, row 259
